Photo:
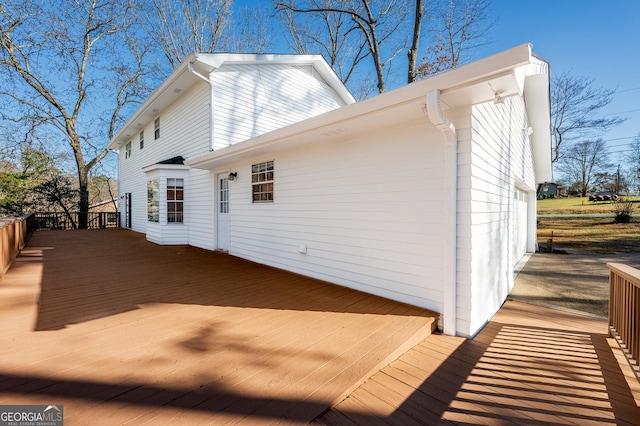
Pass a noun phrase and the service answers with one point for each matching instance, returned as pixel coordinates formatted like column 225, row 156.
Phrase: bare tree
column 252, row 29
column 62, row 72
column 633, row 164
column 456, row 29
column 329, row 33
column 180, row 27
column 575, row 105
column 379, row 23
column 583, row 162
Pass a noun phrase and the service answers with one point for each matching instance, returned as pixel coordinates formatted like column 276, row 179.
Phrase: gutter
column 211, row 111
column 437, row 117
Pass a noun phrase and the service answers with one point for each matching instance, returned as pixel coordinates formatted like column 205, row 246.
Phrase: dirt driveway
column 577, row 281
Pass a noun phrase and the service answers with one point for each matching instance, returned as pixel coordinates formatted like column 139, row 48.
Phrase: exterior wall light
column 233, row 176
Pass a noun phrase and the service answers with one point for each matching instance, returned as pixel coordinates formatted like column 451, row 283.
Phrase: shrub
column 623, row 210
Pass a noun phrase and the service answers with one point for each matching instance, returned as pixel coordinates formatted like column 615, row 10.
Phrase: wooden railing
column 624, row 309
column 61, row 220
column 14, row 233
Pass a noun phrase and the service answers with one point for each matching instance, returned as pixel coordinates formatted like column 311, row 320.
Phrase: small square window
column 142, row 139
column 156, row 128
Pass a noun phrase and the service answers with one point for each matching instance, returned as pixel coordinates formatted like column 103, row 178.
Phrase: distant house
column 550, row 190
column 425, row 194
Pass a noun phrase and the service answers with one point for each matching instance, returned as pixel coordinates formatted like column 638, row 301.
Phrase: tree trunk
column 83, row 203
column 413, row 52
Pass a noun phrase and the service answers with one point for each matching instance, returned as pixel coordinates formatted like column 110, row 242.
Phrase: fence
column 624, row 309
column 14, row 233
column 61, row 220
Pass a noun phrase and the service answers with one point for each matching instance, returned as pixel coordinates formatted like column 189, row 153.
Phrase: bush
column 623, row 210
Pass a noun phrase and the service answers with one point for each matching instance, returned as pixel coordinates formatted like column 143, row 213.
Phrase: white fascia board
column 135, row 123
column 158, row 166
column 206, row 63
column 216, row 60
column 502, row 65
column 539, row 113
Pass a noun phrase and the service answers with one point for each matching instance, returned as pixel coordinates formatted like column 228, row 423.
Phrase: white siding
column 369, row 212
column 495, row 158
column 254, row 99
column 184, row 130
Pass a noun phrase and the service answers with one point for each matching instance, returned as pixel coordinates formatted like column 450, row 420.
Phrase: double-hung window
column 153, row 200
column 127, row 150
column 262, row 182
column 175, row 200
column 156, row 128
column 142, row 139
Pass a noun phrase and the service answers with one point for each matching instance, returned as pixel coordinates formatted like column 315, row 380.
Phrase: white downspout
column 437, row 117
column 211, row 112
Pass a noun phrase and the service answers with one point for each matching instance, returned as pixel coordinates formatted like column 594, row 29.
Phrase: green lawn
column 578, row 205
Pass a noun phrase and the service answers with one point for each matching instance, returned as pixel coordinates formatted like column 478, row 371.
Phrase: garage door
column 519, row 229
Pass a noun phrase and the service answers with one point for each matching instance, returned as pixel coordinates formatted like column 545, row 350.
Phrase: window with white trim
column 224, row 195
column 127, row 150
column 142, row 139
column 156, row 128
column 153, row 200
column 262, row 182
column 175, row 200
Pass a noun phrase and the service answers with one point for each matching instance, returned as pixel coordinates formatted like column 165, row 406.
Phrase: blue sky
column 596, row 39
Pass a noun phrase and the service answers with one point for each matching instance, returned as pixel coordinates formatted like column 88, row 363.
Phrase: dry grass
column 600, row 235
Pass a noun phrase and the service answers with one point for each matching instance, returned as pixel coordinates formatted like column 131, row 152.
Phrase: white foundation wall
column 495, row 159
column 368, row 212
column 184, row 130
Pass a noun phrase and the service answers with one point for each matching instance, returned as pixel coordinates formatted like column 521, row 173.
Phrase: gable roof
column 182, row 79
column 513, row 72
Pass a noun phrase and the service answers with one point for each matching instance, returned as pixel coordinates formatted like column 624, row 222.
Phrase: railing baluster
column 57, row 220
column 624, row 308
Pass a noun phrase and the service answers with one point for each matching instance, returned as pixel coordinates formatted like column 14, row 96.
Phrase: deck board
column 123, row 331
column 529, row 365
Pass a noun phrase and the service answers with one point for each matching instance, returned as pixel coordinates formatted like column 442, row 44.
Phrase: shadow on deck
column 120, row 330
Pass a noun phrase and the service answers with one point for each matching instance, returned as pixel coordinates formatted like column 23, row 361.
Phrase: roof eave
column 474, row 80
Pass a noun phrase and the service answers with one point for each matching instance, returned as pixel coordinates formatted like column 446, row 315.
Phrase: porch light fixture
column 233, row 176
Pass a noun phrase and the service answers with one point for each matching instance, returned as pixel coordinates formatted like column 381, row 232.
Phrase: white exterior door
column 223, row 212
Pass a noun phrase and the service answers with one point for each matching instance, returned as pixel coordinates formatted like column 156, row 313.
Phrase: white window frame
column 153, row 200
column 156, row 128
column 127, row 150
column 141, row 139
column 175, row 200
column 262, row 182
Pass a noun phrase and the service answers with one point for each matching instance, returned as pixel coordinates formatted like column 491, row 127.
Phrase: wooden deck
column 529, row 366
column 121, row 331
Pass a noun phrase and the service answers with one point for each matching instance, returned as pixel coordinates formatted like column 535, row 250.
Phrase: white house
column 425, row 194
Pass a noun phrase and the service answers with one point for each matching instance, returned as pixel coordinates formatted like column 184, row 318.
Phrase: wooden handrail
column 70, row 220
column 14, row 233
column 624, row 308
